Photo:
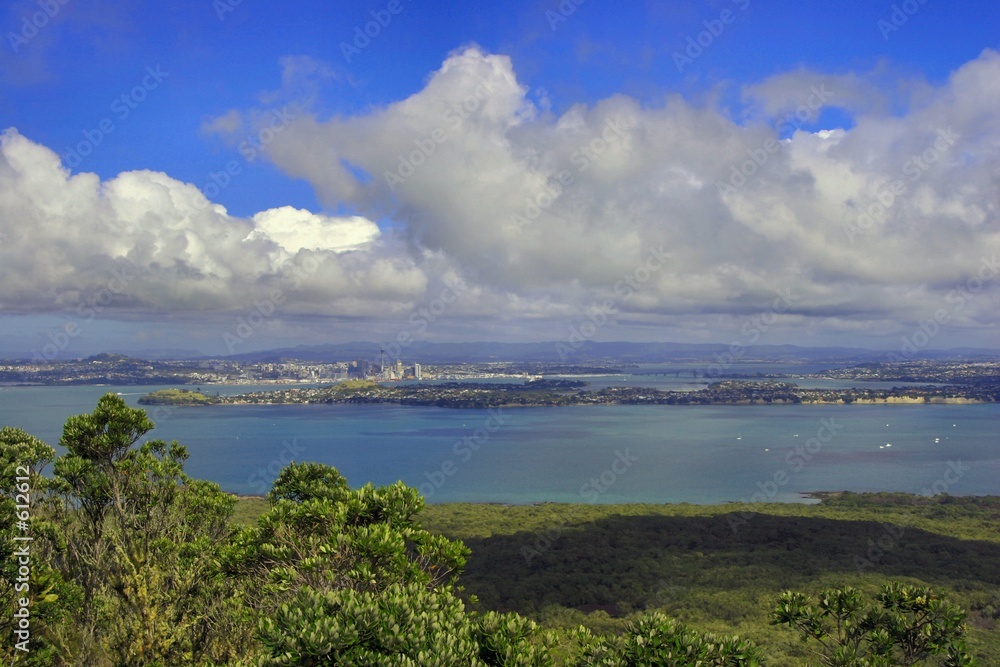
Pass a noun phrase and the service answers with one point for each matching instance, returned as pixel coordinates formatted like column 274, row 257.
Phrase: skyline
column 223, row 177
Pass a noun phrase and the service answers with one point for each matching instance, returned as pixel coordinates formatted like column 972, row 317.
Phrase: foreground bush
column 907, row 625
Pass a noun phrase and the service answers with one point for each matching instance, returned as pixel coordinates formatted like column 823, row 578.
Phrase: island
column 178, row 397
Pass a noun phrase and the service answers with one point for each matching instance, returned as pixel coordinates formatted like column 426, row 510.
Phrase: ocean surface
column 606, row 454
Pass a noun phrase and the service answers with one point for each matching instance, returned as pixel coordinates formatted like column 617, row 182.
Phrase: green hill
column 177, row 397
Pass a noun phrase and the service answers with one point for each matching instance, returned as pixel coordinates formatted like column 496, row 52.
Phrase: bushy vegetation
column 133, row 563
column 177, row 397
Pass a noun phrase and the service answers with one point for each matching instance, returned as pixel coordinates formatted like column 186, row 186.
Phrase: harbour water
column 607, row 454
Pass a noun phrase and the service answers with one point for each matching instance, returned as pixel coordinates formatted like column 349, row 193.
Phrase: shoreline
column 892, row 400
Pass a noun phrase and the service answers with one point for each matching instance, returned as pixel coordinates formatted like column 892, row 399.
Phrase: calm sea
column 613, row 454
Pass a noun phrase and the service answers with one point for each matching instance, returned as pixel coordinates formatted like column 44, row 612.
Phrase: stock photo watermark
column 582, row 157
column 598, row 315
column 427, row 145
column 464, row 449
column 86, row 312
column 957, row 298
column 223, row 7
column 892, row 534
column 247, row 325
column 591, row 492
column 874, row 212
column 425, row 316
column 122, row 107
column 900, row 16
column 562, row 13
column 795, row 461
column 714, row 28
column 752, row 330
column 249, row 148
column 32, row 23
column 21, row 553
column 263, row 478
column 265, row 308
column 364, row 34
column 741, row 173
column 667, row 592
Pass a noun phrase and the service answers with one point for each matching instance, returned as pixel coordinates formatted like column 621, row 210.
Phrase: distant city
column 115, row 369
column 383, row 370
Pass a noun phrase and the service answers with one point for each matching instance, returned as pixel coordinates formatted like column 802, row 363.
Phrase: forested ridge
column 113, row 556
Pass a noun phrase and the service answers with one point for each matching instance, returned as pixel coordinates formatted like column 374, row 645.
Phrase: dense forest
column 113, row 556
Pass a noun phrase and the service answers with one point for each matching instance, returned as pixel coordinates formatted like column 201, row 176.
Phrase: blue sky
column 175, row 88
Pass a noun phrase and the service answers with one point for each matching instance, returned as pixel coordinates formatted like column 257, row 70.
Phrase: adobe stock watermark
column 565, row 9
column 223, row 7
column 667, row 592
column 741, row 173
column 427, row 145
column 86, row 312
column 582, row 157
column 591, row 492
column 703, row 40
column 892, row 534
column 364, row 34
column 899, row 17
column 122, row 107
column 464, row 449
column 874, row 212
column 263, row 309
column 249, row 148
column 33, row 23
column 957, row 298
column 751, row 331
column 247, row 325
column 21, row 555
column 795, row 461
column 263, row 478
column 599, row 313
column 425, row 316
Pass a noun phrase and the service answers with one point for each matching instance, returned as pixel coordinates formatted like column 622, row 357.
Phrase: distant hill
column 589, row 352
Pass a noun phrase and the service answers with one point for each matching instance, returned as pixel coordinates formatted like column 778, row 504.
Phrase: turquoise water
column 613, row 454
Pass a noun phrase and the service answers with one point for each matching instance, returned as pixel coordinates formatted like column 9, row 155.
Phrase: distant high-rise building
column 416, row 371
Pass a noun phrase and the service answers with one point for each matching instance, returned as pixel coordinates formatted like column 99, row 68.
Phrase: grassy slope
column 555, row 562
column 595, row 564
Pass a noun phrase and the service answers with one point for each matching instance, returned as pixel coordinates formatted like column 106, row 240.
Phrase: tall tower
column 381, row 360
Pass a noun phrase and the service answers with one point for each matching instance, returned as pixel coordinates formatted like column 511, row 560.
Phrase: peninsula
column 561, row 392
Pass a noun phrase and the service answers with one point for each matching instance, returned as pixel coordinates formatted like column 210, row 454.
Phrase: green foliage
column 23, row 458
column 105, row 435
column 366, row 540
column 140, row 541
column 304, row 481
column 346, row 576
column 909, row 625
column 655, row 640
column 404, row 625
column 177, row 397
column 510, row 640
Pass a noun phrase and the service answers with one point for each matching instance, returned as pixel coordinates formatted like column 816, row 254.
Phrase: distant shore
column 561, row 393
